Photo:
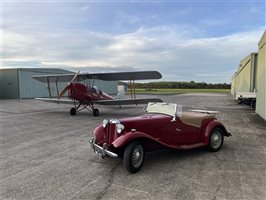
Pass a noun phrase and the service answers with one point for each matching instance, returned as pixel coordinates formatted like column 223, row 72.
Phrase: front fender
column 128, row 137
column 208, row 129
column 98, row 134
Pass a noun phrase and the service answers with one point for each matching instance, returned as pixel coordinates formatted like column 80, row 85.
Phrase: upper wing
column 115, row 76
column 55, row 100
column 54, row 77
column 127, row 101
column 112, row 76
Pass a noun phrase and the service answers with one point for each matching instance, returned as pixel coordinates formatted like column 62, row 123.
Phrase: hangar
column 17, row 83
column 261, row 89
column 233, row 84
column 244, row 80
column 250, row 78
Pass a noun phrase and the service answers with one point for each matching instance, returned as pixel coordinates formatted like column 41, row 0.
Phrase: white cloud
column 186, row 57
column 178, row 52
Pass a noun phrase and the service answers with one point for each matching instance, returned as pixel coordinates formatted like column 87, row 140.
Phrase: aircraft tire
column 73, row 111
column 95, row 112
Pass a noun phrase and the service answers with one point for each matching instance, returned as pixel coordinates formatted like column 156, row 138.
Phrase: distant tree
column 183, row 85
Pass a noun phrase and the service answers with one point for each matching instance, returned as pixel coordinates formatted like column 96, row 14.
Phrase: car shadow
column 163, row 157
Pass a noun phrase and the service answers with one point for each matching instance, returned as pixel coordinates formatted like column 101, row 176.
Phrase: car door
column 182, row 134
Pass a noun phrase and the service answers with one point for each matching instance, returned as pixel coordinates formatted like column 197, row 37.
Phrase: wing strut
column 56, row 83
column 49, row 90
column 130, row 84
column 132, row 88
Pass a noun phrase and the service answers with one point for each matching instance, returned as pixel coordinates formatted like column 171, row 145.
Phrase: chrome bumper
column 100, row 151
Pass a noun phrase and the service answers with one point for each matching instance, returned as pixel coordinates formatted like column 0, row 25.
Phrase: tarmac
column 45, row 155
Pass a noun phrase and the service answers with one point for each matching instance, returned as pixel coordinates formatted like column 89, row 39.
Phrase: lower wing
column 103, row 102
column 56, row 100
column 127, row 101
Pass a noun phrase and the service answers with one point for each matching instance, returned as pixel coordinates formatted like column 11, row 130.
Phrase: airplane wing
column 54, row 77
column 56, row 100
column 127, row 101
column 104, row 102
column 111, row 76
column 115, row 76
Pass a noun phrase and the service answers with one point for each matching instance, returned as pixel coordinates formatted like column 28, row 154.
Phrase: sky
column 184, row 40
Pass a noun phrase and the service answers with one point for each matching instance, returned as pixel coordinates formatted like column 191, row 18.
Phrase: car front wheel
column 216, row 139
column 134, row 157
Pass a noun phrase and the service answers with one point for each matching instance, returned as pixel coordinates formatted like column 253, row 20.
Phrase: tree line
column 183, row 85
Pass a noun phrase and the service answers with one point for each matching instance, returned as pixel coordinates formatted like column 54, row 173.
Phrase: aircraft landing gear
column 89, row 106
column 73, row 111
column 95, row 112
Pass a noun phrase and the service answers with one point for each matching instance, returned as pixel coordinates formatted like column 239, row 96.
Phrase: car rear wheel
column 134, row 157
column 216, row 139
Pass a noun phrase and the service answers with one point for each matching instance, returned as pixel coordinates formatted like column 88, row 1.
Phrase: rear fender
column 208, row 129
column 130, row 136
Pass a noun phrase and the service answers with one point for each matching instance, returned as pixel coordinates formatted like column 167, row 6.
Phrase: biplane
column 83, row 94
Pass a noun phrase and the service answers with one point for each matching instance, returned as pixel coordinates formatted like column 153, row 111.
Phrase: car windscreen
column 162, row 108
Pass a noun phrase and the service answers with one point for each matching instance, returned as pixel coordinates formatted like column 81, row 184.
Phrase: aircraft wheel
column 95, row 112
column 73, row 111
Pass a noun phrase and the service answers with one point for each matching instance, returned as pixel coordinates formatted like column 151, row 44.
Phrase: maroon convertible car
column 164, row 125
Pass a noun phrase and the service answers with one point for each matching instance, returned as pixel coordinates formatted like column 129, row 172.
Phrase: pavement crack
column 109, row 182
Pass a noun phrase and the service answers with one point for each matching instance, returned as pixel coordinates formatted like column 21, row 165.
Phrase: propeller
column 68, row 85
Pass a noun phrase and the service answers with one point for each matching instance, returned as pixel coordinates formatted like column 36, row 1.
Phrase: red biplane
column 83, row 94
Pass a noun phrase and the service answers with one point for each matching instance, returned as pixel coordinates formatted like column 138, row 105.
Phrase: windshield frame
column 162, row 108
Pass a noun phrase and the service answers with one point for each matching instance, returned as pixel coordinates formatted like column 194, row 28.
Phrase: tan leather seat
column 194, row 118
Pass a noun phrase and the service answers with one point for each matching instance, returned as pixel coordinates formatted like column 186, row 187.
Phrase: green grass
column 178, row 91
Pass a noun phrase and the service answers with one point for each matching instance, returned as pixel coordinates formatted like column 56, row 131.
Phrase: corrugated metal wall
column 9, row 84
column 109, row 87
column 245, row 77
column 261, row 83
column 251, row 76
column 18, row 83
column 233, row 84
column 30, row 88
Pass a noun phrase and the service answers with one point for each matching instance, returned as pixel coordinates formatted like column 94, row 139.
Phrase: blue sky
column 184, row 40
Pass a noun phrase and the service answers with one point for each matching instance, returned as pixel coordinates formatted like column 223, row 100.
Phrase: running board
column 191, row 146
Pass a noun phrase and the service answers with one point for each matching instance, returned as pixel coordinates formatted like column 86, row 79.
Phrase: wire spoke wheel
column 216, row 139
column 134, row 156
column 137, row 156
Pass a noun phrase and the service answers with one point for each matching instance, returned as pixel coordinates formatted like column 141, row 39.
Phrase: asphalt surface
column 45, row 155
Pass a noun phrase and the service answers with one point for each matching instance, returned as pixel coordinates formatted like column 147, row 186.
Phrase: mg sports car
column 164, row 125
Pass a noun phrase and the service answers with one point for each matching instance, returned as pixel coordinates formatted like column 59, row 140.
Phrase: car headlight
column 119, row 128
column 105, row 122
